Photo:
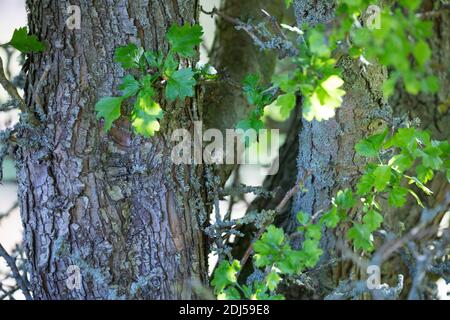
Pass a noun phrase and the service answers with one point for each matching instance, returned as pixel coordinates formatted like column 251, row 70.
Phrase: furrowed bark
column 327, row 148
column 112, row 204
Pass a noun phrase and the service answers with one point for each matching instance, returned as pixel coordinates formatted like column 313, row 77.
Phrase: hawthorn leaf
column 180, row 84
column 108, row 108
column 129, row 56
column 361, row 237
column 145, row 115
column 129, row 86
column 184, row 39
column 225, row 275
column 286, row 102
column 382, row 176
column 26, row 43
column 272, row 280
column 397, row 197
column 372, row 219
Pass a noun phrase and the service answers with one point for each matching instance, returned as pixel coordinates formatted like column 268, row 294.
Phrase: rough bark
column 327, row 148
column 112, row 204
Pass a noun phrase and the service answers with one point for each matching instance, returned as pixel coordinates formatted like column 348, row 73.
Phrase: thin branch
column 278, row 210
column 9, row 105
column 10, row 89
column 261, row 37
column 418, row 232
column 11, row 262
column 7, row 213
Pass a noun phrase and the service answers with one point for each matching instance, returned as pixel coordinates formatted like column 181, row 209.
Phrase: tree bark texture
column 326, row 148
column 112, row 204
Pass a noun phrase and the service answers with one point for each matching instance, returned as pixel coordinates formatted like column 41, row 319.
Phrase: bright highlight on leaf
column 145, row 116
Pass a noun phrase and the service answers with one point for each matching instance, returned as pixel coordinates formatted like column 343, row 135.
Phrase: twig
column 9, row 105
column 7, row 213
column 11, row 262
column 10, row 89
column 418, row 232
column 278, row 210
column 262, row 39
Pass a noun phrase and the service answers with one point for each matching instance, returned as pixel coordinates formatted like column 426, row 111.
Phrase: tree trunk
column 111, row 204
column 327, row 148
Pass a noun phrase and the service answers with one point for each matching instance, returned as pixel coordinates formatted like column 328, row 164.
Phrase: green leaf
column 430, row 84
column 317, row 45
column 371, row 146
column 272, row 280
column 397, row 196
column 314, row 232
column 252, row 123
column 382, row 176
column 269, row 247
column 311, row 253
column 422, row 52
column 129, row 86
column 108, row 108
column 230, row 293
column 365, row 184
column 180, row 84
column 322, row 102
column 145, row 116
column 330, row 218
column 129, row 56
column 254, row 92
column 154, row 59
column 302, row 217
column 286, row 102
column 344, row 199
column 170, row 65
column 401, row 162
column 431, row 157
column 225, row 275
column 288, row 3
column 404, row 138
column 412, row 5
column 389, row 85
column 285, row 83
column 184, row 39
column 273, row 236
column 261, row 260
column 424, row 174
column 372, row 220
column 361, row 237
column 26, row 43
column 332, row 84
column 292, row 262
